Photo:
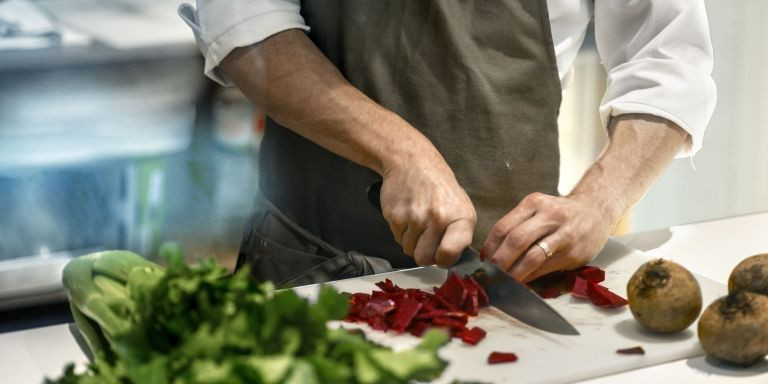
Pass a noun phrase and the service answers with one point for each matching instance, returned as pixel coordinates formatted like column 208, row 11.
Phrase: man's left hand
column 573, row 229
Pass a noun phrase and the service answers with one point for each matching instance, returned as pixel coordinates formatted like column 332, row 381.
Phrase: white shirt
column 657, row 53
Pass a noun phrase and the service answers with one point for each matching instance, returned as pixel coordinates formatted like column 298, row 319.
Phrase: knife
column 504, row 291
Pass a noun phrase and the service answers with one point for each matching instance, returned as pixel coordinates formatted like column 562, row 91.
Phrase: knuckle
column 515, row 240
column 437, row 215
column 499, row 230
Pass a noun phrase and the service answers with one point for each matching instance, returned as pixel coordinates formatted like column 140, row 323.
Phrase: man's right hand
column 430, row 215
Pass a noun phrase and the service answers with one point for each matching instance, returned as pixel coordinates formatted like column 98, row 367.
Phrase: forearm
column 639, row 148
column 301, row 89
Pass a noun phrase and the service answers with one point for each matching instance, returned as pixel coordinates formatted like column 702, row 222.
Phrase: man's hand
column 576, row 227
column 429, row 214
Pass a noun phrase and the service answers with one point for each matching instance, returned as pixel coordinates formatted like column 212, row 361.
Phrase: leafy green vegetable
column 198, row 324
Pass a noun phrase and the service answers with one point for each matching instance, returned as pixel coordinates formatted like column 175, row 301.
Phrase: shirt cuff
column 245, row 33
column 665, row 88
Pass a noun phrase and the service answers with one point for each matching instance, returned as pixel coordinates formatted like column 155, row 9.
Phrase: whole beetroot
column 664, row 297
column 751, row 274
column 734, row 328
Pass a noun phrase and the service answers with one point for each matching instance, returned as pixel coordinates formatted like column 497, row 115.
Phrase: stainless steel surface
column 512, row 297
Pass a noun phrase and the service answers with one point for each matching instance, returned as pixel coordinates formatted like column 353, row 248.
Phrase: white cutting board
column 546, row 357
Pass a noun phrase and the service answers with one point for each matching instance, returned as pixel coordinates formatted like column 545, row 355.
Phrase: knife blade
column 504, row 292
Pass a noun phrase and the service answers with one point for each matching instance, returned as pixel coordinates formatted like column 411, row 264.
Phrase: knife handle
column 374, row 194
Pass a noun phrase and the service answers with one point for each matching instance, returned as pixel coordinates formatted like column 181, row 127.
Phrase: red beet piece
column 472, row 336
column 378, row 323
column 449, row 322
column 631, row 351
column 418, row 327
column 388, row 286
column 457, row 315
column 549, row 292
column 482, row 296
column 471, row 304
column 453, row 290
column 501, row 357
column 377, row 307
column 604, row 298
column 569, row 279
column 580, row 288
column 445, row 303
column 591, row 273
column 428, row 314
column 406, row 310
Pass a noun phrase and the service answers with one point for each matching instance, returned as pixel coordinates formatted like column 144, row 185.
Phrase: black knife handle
column 374, row 194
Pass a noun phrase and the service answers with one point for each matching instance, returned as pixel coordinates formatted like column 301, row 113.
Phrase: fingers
column 523, row 212
column 428, row 241
column 535, row 260
column 411, row 236
column 519, row 241
column 457, row 236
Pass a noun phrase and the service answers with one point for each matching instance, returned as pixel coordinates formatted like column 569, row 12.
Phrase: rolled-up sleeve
column 220, row 26
column 658, row 55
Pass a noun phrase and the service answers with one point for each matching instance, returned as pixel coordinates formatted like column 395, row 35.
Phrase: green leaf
column 269, row 369
column 366, row 372
column 302, row 373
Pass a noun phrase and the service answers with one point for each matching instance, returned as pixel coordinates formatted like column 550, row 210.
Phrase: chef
column 453, row 106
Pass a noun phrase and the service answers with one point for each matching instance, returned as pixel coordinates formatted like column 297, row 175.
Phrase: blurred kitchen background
column 111, row 137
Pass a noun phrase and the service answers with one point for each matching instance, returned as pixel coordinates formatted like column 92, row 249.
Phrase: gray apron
column 478, row 78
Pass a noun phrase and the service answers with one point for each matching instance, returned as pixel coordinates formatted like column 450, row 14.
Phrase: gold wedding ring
column 545, row 247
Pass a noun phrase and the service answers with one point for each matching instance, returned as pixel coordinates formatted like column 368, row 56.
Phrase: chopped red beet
column 453, row 290
column 604, row 298
column 444, row 302
column 549, row 292
column 482, row 296
column 450, row 322
column 580, row 288
column 501, row 357
column 377, row 307
column 471, row 304
column 631, row 351
column 418, row 327
column 428, row 314
column 472, row 336
column 591, row 273
column 378, row 323
column 406, row 310
column 415, row 311
column 388, row 286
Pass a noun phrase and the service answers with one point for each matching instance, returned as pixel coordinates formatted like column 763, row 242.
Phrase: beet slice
column 580, row 288
column 453, row 290
column 604, row 298
column 428, row 314
column 631, row 351
column 501, row 357
column 450, row 322
column 482, row 295
column 406, row 310
column 445, row 303
column 378, row 323
column 472, row 336
column 549, row 292
column 418, row 327
column 471, row 304
column 591, row 273
column 377, row 307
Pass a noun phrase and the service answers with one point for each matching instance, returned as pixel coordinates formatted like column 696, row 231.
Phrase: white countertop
column 710, row 249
